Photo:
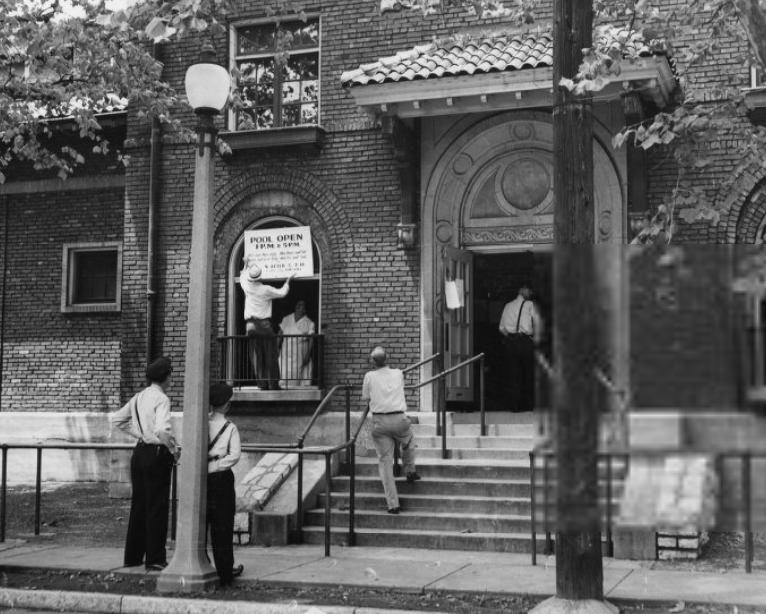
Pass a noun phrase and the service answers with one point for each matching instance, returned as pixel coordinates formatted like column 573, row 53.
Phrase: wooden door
column 458, row 324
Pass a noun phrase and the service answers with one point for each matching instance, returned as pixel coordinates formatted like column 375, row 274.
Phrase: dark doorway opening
column 496, row 281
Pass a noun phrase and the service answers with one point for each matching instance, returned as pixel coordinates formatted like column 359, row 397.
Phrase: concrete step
column 420, row 520
column 446, row 487
column 435, row 540
column 517, row 506
column 473, row 453
column 474, row 430
column 470, row 441
column 474, row 417
column 477, row 469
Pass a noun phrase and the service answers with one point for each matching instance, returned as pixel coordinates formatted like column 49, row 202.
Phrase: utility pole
column 579, row 569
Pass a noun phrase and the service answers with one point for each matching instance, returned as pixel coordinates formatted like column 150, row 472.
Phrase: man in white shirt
column 383, row 388
column 223, row 452
column 522, row 329
column 262, row 340
column 147, row 418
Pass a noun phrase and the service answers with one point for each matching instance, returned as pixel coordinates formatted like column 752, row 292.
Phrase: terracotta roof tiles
column 454, row 58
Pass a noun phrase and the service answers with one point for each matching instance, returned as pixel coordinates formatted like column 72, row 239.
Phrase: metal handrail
column 441, row 406
column 235, row 362
column 745, row 479
column 421, row 363
column 327, row 451
column 319, row 409
column 39, row 446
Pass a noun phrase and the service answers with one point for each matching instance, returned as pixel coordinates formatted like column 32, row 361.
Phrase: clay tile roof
column 455, row 58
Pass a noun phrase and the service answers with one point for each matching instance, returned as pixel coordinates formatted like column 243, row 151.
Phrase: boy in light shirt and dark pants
column 223, row 453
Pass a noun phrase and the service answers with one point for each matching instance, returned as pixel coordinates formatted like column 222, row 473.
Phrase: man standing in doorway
column 522, row 329
column 262, row 340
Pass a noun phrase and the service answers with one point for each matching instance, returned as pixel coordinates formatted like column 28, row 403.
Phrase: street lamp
column 207, row 88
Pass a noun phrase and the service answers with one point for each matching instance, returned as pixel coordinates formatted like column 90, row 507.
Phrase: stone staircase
column 478, row 499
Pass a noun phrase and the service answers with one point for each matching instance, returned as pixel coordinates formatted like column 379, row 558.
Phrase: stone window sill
column 294, row 136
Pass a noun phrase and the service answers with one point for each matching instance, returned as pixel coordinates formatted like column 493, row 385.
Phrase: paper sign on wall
column 453, row 293
column 281, row 251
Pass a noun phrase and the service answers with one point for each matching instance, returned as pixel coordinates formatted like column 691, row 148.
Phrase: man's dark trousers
column 150, row 469
column 520, row 357
column 220, row 519
column 264, row 353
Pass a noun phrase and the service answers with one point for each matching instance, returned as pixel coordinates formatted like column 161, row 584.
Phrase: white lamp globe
column 207, row 83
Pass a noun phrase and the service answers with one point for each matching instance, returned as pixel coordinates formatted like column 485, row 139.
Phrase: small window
column 92, row 277
column 278, row 65
column 757, row 76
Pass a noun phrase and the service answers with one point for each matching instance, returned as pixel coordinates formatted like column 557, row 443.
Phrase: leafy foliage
column 68, row 60
column 71, row 61
column 689, row 134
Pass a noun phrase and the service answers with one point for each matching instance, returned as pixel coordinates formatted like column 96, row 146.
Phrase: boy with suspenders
column 223, row 453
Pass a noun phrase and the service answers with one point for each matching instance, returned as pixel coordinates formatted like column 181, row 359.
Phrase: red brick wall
column 54, row 361
column 348, row 193
column 683, row 341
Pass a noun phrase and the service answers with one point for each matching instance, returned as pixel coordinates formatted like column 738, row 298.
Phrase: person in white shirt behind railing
column 147, row 418
column 262, row 340
column 295, row 355
column 383, row 388
column 223, row 453
column 522, row 330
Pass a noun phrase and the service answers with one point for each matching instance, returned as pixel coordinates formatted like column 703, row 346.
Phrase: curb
column 110, row 603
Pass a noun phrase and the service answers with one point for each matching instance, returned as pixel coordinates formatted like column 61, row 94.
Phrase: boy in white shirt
column 222, row 454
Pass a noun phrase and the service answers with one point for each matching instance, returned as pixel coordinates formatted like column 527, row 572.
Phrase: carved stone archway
column 490, row 187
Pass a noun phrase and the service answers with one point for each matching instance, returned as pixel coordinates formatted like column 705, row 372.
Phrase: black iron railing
column 301, row 360
column 39, row 447
column 613, row 468
column 441, row 396
column 296, row 447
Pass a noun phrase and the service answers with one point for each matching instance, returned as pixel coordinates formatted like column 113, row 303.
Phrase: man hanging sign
column 281, row 252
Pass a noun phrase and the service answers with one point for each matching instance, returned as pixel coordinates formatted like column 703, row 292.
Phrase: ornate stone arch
column 313, row 201
column 262, row 192
column 471, row 200
column 746, row 220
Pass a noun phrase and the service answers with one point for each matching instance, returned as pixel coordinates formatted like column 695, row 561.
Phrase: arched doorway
column 489, row 191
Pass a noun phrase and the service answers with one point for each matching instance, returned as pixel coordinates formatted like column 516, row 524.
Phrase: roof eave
column 652, row 76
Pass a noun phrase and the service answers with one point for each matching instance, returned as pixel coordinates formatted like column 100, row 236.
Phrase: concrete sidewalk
column 417, row 570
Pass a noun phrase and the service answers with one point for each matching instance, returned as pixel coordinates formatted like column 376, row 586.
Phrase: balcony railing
column 300, row 358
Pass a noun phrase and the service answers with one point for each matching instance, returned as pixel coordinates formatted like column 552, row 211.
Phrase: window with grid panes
column 92, row 277
column 278, row 65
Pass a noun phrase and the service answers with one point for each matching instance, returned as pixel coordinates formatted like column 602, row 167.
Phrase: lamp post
column 207, row 88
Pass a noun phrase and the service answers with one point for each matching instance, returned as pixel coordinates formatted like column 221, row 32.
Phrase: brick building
column 411, row 161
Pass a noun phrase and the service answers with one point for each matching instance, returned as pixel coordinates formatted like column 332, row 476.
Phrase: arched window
column 307, row 289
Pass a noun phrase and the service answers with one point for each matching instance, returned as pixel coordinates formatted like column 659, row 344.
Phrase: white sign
column 281, row 251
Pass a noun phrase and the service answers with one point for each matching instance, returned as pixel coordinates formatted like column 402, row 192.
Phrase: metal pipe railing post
column 174, row 501
column 348, row 420
column 299, row 522
column 609, row 544
column 352, row 495
column 747, row 503
column 440, row 367
column 443, row 403
column 548, row 543
column 3, row 489
column 327, row 535
column 532, row 486
column 481, row 396
column 38, row 488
